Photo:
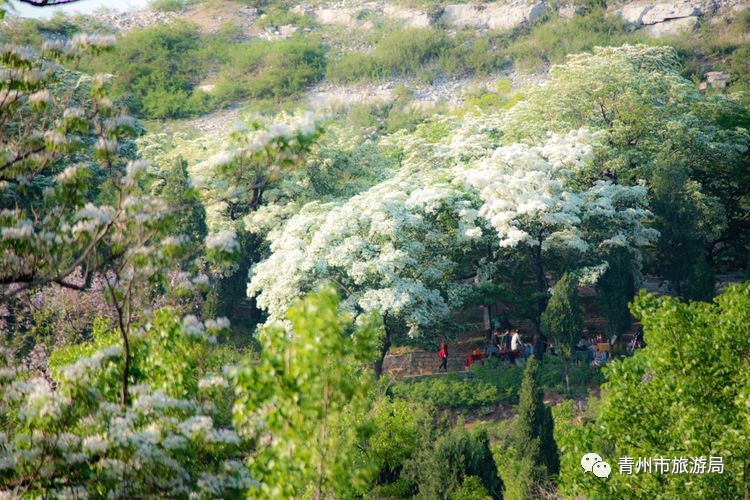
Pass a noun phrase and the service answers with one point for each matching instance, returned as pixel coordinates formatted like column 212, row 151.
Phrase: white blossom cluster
column 71, row 429
column 388, row 249
column 528, row 198
column 223, row 241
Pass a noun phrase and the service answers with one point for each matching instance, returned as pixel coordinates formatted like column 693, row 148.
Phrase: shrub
column 441, row 470
column 171, row 5
column 279, row 16
column 268, row 70
column 401, row 52
column 562, row 319
column 158, row 67
column 550, row 42
column 421, row 52
column 448, row 392
column 471, row 489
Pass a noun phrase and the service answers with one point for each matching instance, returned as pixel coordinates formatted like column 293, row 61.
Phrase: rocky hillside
column 510, row 30
column 656, row 18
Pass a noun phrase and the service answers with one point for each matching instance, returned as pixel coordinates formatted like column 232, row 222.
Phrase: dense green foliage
column 189, row 214
column 442, row 469
column 489, row 383
column 304, row 393
column 685, row 395
column 562, row 320
column 160, row 68
column 532, row 437
column 157, row 70
column 616, row 289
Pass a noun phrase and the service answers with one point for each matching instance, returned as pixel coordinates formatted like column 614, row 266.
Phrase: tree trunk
column 542, row 286
column 124, row 395
column 383, row 352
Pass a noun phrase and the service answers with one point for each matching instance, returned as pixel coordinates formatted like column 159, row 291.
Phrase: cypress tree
column 532, row 435
column 562, row 319
column 616, row 289
column 190, row 215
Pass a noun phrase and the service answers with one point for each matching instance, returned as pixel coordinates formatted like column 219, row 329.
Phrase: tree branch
column 47, row 3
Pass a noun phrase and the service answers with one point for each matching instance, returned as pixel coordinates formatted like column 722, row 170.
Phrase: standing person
column 516, row 347
column 516, row 344
column 443, row 356
column 540, row 345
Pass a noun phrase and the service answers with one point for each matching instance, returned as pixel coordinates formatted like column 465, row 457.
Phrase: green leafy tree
column 685, row 395
column 562, row 319
column 688, row 222
column 399, row 428
column 616, row 289
column 298, row 401
column 532, row 436
column 189, row 215
column 441, row 470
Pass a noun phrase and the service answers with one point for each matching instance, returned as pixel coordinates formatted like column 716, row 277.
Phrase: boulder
column 671, row 27
column 287, row 30
column 410, row 17
column 717, row 79
column 650, row 13
column 346, row 17
column 496, row 16
column 662, row 12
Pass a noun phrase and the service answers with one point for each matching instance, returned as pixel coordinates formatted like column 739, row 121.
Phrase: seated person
column 592, row 345
column 582, row 345
column 599, row 358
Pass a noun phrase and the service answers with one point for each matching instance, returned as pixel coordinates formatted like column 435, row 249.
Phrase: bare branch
column 47, row 3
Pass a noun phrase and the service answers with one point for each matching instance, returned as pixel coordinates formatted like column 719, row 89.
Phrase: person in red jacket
column 443, row 356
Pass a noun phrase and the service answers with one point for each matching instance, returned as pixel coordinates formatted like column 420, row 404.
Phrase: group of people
column 595, row 349
column 506, row 344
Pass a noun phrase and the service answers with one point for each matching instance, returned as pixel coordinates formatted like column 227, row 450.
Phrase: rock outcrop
column 662, row 18
column 497, row 15
column 671, row 26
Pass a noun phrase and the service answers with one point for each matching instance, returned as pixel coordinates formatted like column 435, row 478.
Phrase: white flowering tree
column 531, row 198
column 259, row 154
column 688, row 145
column 398, row 249
column 72, row 197
column 69, row 436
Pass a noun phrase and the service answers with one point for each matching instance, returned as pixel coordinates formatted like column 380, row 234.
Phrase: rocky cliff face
column 655, row 17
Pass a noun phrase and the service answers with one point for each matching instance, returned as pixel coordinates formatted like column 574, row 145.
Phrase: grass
column 278, row 16
column 160, row 82
column 419, row 52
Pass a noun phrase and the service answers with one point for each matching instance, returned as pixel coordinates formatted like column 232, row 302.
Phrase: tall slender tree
column 532, row 436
